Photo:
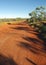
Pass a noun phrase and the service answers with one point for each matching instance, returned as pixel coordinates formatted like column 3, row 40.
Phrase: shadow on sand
column 22, row 28
column 32, row 46
column 37, row 42
column 30, row 39
column 31, row 61
column 6, row 61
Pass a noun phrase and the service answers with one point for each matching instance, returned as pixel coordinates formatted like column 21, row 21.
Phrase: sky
column 18, row 8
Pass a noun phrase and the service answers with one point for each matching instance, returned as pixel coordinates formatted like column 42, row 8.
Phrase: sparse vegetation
column 11, row 20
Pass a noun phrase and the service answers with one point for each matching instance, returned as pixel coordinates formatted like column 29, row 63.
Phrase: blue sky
column 18, row 8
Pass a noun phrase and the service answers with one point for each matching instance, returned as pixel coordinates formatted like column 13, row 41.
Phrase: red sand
column 22, row 44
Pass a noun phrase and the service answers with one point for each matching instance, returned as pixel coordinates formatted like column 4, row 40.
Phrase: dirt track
column 21, row 43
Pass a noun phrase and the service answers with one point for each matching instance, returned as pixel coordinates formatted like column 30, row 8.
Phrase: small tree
column 37, row 18
column 38, row 14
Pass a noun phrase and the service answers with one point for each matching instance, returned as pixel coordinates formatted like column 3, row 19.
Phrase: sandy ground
column 21, row 43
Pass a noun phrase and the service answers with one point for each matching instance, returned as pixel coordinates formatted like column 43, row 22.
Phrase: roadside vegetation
column 38, row 21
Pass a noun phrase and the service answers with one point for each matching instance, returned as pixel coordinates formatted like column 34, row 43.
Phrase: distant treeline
column 11, row 19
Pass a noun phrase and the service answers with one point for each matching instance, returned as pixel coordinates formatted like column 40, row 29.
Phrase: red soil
column 21, row 43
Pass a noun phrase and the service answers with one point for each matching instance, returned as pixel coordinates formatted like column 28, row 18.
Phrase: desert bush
column 36, row 20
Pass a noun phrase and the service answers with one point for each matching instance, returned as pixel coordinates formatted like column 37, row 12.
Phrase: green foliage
column 38, row 14
column 38, row 20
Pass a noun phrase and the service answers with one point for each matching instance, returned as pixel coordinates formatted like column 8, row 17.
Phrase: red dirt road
column 21, row 43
